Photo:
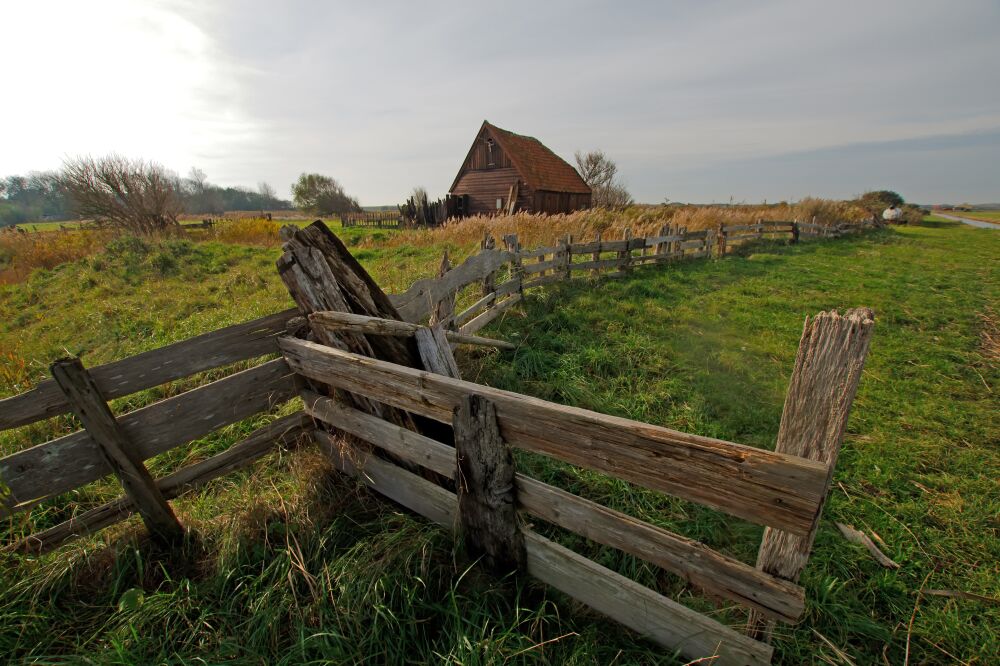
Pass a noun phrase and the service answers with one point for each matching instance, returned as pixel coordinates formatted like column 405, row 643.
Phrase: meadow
column 290, row 563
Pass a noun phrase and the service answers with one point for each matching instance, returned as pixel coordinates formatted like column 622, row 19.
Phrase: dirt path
column 974, row 223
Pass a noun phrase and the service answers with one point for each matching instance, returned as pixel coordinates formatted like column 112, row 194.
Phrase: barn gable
column 500, row 160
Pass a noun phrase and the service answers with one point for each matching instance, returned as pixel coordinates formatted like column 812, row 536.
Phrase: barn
column 509, row 172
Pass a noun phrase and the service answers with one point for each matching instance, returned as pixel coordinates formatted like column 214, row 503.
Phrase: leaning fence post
column 485, row 483
column 444, row 310
column 92, row 409
column 824, row 381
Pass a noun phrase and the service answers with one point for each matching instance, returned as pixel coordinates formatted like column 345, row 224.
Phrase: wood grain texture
column 158, row 366
column 378, row 326
column 285, row 431
column 435, row 352
column 761, row 486
column 444, row 310
column 701, row 566
column 485, row 318
column 666, row 622
column 415, row 304
column 63, row 464
column 487, row 505
column 91, row 408
column 824, row 381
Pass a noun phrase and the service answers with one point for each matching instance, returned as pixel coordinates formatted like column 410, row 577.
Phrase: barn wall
column 479, row 158
column 485, row 187
column 546, row 201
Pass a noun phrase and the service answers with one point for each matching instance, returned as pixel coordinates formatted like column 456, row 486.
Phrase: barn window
column 490, row 160
column 499, row 203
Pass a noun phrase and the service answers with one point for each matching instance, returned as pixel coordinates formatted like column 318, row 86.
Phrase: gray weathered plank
column 491, row 314
column 703, row 567
column 664, row 621
column 154, row 367
column 435, row 352
column 761, row 486
column 91, row 408
column 415, row 304
column 334, row 320
column 71, row 461
column 824, row 381
column 281, row 432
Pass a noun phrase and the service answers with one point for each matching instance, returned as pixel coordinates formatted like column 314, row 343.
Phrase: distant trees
column 879, row 200
column 317, row 194
column 600, row 172
column 38, row 195
column 201, row 197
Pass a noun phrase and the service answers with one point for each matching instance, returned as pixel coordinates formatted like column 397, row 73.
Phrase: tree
column 317, row 194
column 601, row 173
column 878, row 200
column 132, row 195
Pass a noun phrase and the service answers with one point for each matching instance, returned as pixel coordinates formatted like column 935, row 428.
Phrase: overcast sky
column 697, row 101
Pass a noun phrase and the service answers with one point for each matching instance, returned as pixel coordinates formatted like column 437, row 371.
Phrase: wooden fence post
column 516, row 267
column 795, row 232
column 567, row 257
column 721, row 233
column 625, row 256
column 485, row 483
column 597, row 254
column 824, row 381
column 490, row 281
column 444, row 310
column 92, row 409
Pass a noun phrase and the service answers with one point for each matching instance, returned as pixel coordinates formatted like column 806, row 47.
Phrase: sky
column 702, row 101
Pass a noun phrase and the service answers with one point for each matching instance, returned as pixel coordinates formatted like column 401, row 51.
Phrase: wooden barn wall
column 479, row 159
column 485, row 187
column 546, row 201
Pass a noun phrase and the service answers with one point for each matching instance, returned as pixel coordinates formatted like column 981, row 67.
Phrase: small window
column 490, row 160
column 499, row 203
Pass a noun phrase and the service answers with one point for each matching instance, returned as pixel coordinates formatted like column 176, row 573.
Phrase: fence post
column 568, row 257
column 485, row 483
column 516, row 267
column 824, row 381
column 662, row 248
column 795, row 232
column 92, row 409
column 624, row 256
column 444, row 310
column 597, row 255
column 721, row 238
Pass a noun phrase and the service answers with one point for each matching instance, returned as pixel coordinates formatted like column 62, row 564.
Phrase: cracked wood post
column 485, row 483
column 444, row 310
column 92, row 409
column 321, row 274
column 825, row 379
column 567, row 257
column 516, row 267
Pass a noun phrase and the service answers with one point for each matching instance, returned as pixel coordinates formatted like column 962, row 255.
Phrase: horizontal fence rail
column 760, row 486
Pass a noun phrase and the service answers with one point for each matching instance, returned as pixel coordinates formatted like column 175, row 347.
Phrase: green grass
column 988, row 215
column 292, row 564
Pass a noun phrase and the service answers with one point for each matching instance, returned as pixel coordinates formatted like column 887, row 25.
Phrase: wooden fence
column 371, row 370
column 382, row 219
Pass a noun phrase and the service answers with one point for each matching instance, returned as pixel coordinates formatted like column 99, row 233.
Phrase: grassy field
column 289, row 563
column 985, row 215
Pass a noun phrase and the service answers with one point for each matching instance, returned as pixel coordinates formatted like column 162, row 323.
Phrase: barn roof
column 540, row 168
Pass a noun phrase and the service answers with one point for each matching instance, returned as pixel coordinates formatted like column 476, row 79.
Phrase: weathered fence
column 382, row 219
column 383, row 398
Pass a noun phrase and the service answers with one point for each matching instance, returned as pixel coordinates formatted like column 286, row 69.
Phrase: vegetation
column 198, row 196
column 600, row 172
column 289, row 563
column 317, row 194
column 129, row 195
column 37, row 196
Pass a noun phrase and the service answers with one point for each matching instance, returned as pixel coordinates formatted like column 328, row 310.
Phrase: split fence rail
column 383, row 398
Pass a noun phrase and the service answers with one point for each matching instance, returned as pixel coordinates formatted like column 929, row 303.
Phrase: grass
column 291, row 564
column 984, row 215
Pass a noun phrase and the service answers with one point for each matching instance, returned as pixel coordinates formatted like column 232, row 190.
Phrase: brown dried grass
column 22, row 253
column 538, row 230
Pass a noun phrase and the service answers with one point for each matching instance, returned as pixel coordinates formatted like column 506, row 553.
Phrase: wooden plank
column 701, row 566
column 825, row 379
column 435, row 352
column 664, row 621
column 642, row 610
column 415, row 304
column 474, row 309
column 543, row 281
column 379, row 326
column 68, row 462
column 152, row 368
column 537, row 252
column 487, row 505
column 652, row 241
column 541, row 267
column 444, row 310
column 119, row 454
column 758, row 485
column 282, row 432
column 491, row 314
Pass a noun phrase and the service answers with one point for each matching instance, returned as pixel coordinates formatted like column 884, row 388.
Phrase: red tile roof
column 540, row 168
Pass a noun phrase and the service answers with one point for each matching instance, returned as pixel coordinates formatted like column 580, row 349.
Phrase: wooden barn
column 507, row 172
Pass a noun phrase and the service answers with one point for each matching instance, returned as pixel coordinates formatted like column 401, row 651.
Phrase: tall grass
column 535, row 230
column 20, row 253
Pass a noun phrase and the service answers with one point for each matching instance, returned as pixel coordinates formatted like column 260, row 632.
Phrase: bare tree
column 132, row 195
column 601, row 173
